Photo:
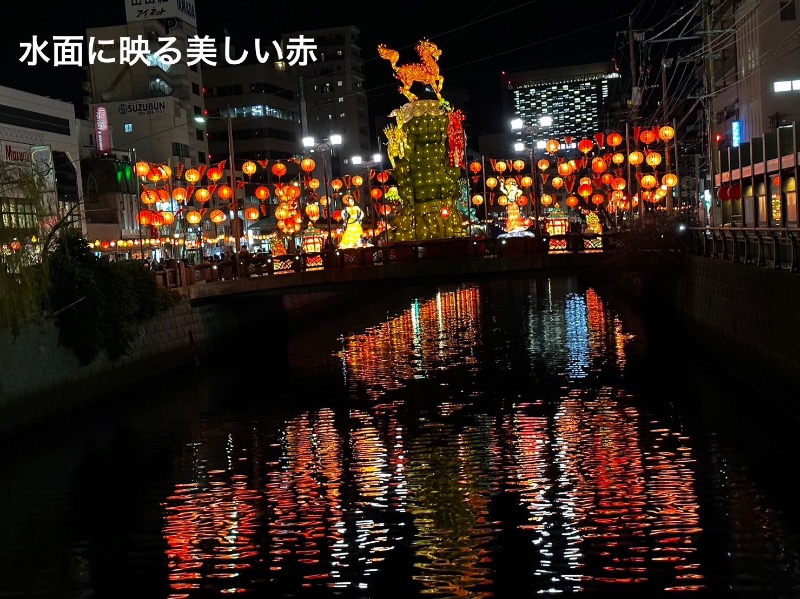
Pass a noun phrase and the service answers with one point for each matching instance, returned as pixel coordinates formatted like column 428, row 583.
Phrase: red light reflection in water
column 607, row 499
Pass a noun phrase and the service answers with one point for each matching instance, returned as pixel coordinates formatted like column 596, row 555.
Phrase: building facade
column 40, row 131
column 332, row 96
column 148, row 105
column 753, row 78
column 575, row 98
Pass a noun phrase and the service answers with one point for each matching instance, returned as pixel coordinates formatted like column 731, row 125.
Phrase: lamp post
column 368, row 166
column 235, row 232
column 325, row 145
column 533, row 131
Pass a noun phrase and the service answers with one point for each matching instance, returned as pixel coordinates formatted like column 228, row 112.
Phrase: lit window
column 796, row 84
column 339, row 83
column 128, row 127
column 341, row 99
column 782, row 86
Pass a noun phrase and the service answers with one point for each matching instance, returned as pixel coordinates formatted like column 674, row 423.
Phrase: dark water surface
column 514, row 438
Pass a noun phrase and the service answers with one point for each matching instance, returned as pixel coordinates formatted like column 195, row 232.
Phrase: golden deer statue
column 426, row 72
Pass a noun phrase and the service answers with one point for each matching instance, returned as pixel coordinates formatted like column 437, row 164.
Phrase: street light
column 533, row 131
column 369, row 165
column 326, row 145
column 235, row 232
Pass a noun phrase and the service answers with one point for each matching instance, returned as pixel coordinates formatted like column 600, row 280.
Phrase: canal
column 507, row 438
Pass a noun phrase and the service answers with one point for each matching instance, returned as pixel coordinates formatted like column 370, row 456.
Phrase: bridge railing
column 770, row 247
column 442, row 249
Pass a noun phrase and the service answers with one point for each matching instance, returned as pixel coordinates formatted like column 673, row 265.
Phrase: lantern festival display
column 426, row 147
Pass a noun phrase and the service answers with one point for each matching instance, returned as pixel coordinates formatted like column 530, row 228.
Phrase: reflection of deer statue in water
column 425, row 72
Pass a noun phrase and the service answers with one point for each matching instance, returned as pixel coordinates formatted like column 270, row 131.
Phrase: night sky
column 477, row 44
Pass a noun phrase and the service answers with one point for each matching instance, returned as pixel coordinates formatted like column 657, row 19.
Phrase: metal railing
column 446, row 249
column 769, row 247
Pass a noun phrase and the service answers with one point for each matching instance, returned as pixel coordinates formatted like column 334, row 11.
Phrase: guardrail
column 769, row 247
column 179, row 274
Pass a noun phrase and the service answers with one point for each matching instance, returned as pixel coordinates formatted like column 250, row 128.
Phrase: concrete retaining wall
column 747, row 316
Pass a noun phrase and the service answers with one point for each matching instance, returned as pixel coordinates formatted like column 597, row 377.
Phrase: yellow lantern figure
column 217, row 216
column 477, row 199
column 670, row 180
column 666, row 133
column 491, row 182
column 518, row 165
column 192, row 175
column 635, row 158
column 313, row 183
column 653, row 159
column 308, row 165
column 202, row 195
column 142, row 168
column 249, row 167
column 552, row 146
column 193, row 217
column 357, row 180
column 526, row 181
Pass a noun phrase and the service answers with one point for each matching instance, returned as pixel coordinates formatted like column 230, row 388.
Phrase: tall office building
column 148, row 105
column 263, row 106
column 575, row 97
column 332, row 94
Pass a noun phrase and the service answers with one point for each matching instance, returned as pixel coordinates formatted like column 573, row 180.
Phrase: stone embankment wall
column 747, row 317
column 39, row 380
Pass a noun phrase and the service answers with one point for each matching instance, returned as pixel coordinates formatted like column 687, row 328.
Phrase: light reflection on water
column 482, row 442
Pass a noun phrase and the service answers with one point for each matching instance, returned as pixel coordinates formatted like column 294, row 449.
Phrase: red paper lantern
column 585, row 145
column 614, row 139
column 262, row 193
